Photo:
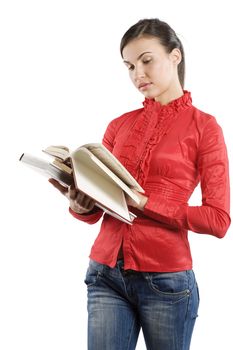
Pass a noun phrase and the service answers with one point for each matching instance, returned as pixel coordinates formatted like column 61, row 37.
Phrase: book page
column 93, row 181
column 115, row 215
column 60, row 152
column 34, row 162
column 112, row 176
column 105, row 156
column 47, row 169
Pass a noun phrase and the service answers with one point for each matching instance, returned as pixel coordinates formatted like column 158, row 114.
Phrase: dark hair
column 162, row 31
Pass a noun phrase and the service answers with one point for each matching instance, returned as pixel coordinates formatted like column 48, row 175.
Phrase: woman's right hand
column 80, row 203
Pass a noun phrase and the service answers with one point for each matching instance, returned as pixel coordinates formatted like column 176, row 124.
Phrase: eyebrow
column 138, row 56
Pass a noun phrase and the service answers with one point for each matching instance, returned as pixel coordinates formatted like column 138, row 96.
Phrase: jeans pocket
column 92, row 276
column 172, row 284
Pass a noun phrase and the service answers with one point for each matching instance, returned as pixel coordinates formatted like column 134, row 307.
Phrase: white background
column 62, row 80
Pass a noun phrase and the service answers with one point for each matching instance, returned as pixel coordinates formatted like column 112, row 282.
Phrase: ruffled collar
column 151, row 124
column 176, row 105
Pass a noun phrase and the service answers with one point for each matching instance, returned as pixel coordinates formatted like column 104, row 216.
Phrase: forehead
column 143, row 44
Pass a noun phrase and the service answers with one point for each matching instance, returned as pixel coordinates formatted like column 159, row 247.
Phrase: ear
column 176, row 56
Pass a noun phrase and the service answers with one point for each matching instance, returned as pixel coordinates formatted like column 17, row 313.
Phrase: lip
column 144, row 86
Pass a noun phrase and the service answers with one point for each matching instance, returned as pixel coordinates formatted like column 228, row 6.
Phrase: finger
column 89, row 203
column 80, row 198
column 77, row 207
column 84, row 201
column 72, row 192
column 58, row 186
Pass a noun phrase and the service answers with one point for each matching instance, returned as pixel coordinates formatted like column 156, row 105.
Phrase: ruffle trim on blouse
column 148, row 130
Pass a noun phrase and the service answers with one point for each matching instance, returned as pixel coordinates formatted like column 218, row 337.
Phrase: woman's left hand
column 132, row 203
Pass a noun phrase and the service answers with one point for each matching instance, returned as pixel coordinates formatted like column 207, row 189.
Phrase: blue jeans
column 121, row 302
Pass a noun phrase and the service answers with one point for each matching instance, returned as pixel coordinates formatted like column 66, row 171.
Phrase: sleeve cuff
column 168, row 212
column 90, row 218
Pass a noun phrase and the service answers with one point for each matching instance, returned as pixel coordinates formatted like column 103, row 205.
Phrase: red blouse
column 169, row 149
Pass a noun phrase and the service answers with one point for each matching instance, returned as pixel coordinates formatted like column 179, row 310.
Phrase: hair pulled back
column 161, row 30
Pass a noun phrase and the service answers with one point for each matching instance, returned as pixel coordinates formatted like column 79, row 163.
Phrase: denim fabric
column 121, row 302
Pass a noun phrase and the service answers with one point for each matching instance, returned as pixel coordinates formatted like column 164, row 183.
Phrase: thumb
column 58, row 186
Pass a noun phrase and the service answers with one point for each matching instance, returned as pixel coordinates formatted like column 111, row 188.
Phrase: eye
column 147, row 60
column 130, row 66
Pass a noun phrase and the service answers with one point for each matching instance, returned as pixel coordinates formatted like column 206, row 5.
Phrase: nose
column 138, row 73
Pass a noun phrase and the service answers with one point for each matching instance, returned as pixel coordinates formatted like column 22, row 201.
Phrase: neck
column 171, row 94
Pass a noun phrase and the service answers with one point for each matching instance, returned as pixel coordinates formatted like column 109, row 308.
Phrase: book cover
column 95, row 172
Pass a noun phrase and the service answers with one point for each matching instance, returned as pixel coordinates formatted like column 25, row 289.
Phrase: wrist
column 142, row 203
column 79, row 210
column 86, row 212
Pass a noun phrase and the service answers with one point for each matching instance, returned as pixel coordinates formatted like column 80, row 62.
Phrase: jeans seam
column 131, row 333
column 123, row 281
column 185, row 325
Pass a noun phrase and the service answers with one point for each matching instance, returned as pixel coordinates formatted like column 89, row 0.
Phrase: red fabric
column 169, row 150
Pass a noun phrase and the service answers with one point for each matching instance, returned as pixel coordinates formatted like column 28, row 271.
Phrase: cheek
column 164, row 73
column 156, row 71
column 131, row 76
column 168, row 69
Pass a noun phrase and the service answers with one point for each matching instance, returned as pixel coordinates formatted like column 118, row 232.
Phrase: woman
column 141, row 276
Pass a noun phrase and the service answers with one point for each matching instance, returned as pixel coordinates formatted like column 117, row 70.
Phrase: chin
column 158, row 95
column 151, row 95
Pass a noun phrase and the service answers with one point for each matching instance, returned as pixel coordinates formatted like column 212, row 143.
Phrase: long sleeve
column 169, row 150
column 213, row 216
column 90, row 218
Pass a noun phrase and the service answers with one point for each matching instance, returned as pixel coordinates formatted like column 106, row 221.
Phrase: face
column 152, row 70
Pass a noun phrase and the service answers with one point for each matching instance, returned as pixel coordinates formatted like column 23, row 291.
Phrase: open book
column 94, row 171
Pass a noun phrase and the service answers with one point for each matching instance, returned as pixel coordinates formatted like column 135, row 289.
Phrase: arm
column 90, row 217
column 212, row 217
column 93, row 215
column 81, row 206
